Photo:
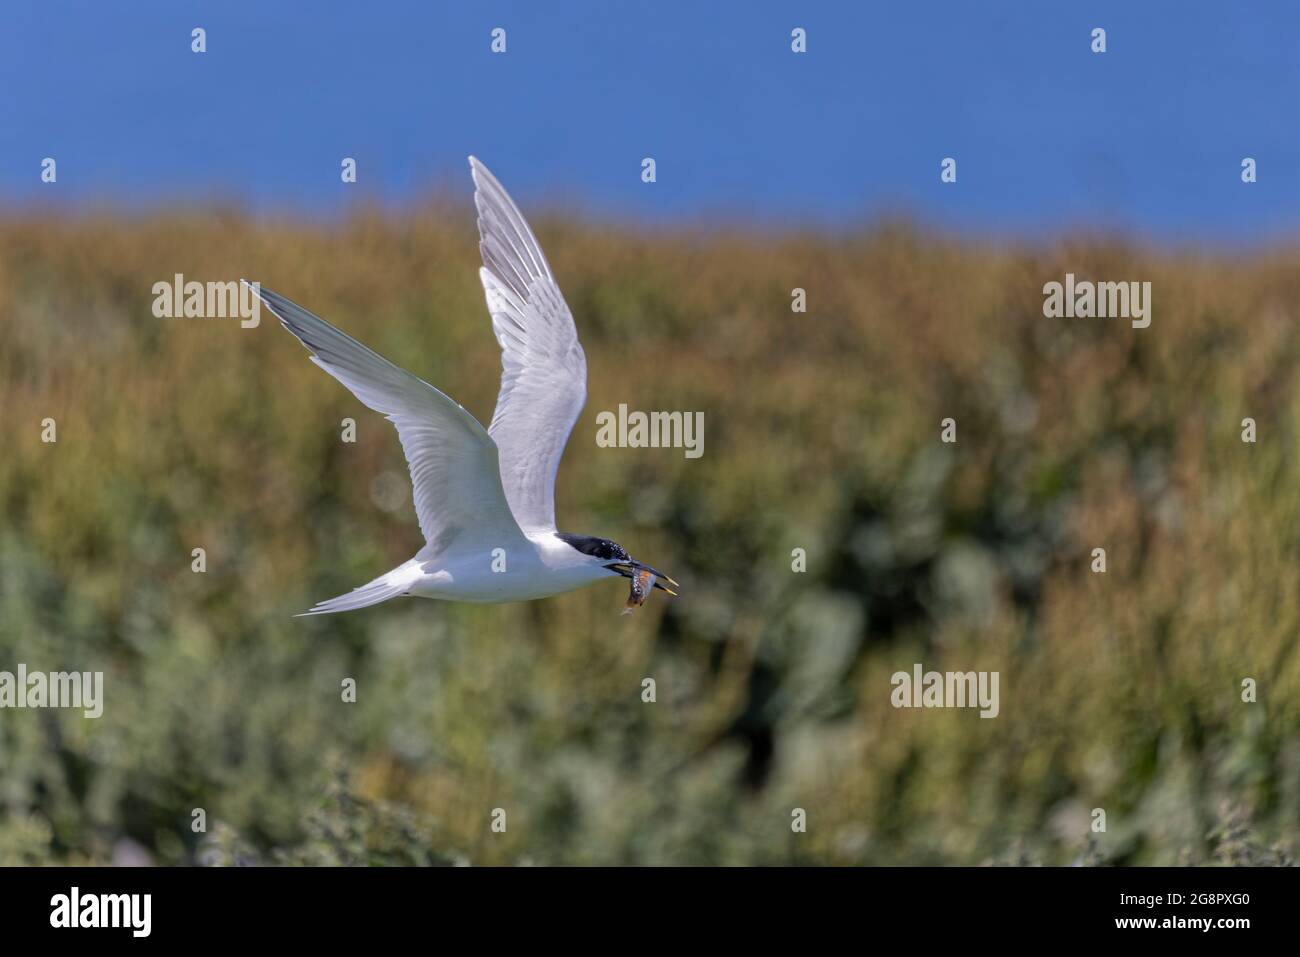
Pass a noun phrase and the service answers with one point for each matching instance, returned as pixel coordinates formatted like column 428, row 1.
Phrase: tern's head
column 614, row 558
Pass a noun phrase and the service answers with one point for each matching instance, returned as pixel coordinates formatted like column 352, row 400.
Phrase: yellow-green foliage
column 1119, row 691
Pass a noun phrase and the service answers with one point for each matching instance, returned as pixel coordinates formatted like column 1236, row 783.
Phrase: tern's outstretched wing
column 544, row 372
column 453, row 462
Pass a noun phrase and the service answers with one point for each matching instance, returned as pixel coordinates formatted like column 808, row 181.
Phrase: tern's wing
column 453, row 462
column 544, row 373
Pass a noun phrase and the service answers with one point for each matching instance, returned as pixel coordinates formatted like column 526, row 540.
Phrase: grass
column 1119, row 691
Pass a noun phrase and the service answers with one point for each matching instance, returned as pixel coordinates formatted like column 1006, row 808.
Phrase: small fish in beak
column 643, row 579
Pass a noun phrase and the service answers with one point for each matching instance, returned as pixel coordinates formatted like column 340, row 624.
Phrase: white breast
column 537, row 566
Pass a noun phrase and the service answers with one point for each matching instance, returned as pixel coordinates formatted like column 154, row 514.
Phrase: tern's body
column 485, row 499
column 535, row 567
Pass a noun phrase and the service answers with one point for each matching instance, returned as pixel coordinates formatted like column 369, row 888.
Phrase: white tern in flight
column 476, row 490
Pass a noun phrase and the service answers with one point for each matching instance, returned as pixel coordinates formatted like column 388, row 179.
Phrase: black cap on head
column 601, row 548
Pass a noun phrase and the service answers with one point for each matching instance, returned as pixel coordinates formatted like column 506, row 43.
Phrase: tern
column 484, row 498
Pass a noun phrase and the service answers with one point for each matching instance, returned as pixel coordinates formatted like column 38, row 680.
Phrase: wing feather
column 543, row 368
column 455, row 473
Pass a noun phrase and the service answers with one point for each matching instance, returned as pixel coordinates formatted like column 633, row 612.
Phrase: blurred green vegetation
column 1119, row 691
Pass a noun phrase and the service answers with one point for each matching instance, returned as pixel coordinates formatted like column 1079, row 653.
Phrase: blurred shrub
column 1118, row 691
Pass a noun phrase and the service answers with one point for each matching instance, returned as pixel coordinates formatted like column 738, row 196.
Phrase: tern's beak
column 627, row 568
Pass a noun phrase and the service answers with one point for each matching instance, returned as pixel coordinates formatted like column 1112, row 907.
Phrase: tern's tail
column 386, row 586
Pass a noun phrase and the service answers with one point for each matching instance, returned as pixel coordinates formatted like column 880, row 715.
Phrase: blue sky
column 1147, row 138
